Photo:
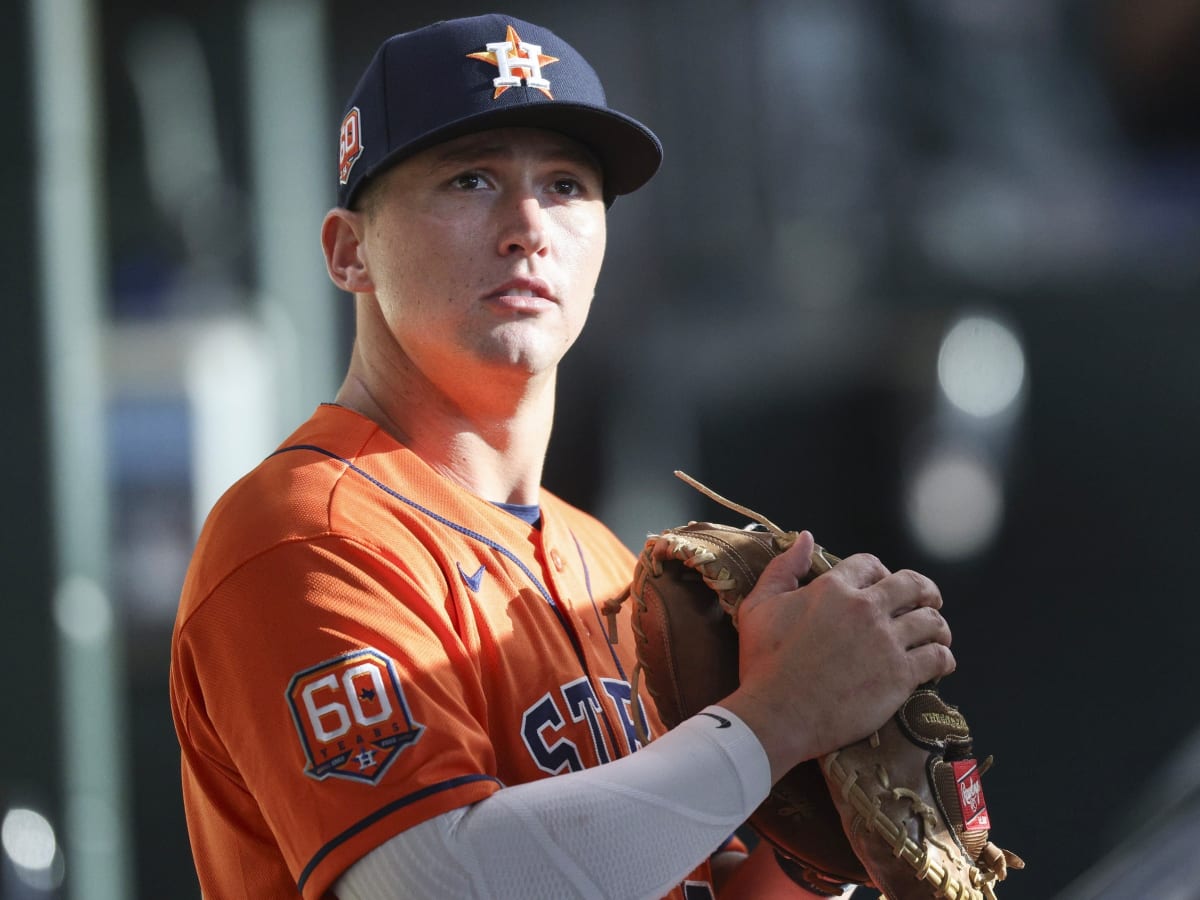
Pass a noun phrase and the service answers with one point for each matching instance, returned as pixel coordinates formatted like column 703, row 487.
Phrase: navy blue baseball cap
column 461, row 76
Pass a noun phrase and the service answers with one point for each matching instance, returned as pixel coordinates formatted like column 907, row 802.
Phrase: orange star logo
column 511, row 56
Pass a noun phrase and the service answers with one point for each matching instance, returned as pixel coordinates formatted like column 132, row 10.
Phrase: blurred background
column 920, row 276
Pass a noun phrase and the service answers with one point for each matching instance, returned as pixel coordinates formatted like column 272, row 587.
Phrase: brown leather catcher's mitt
column 901, row 810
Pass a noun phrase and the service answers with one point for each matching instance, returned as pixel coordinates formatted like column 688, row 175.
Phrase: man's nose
column 524, row 227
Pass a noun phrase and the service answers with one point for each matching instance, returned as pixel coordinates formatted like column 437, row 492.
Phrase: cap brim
column 628, row 151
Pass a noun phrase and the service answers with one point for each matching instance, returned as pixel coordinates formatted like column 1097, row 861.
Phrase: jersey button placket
column 556, row 575
column 559, row 578
column 564, row 580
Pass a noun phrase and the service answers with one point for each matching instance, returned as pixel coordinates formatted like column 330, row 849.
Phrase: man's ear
column 341, row 238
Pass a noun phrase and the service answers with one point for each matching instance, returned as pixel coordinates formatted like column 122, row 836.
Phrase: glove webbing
column 902, row 845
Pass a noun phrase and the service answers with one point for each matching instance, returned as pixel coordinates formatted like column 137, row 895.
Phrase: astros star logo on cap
column 512, row 55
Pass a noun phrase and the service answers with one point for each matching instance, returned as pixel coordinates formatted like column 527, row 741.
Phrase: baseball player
column 390, row 675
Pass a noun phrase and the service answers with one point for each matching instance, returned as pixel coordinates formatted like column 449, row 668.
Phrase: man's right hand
column 825, row 664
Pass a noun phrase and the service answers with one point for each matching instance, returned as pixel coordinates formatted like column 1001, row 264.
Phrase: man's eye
column 568, row 187
column 469, row 181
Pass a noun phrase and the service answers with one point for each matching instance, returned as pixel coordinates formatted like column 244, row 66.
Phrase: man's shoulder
column 289, row 493
column 313, row 488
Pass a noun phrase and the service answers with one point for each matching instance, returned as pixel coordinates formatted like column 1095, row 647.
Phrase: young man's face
column 484, row 252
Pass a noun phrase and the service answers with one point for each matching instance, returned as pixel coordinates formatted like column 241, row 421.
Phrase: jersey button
column 556, row 558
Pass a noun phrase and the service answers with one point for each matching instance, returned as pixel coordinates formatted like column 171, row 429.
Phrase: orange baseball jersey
column 362, row 645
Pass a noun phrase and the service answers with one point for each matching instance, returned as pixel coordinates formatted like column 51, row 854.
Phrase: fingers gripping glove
column 901, row 810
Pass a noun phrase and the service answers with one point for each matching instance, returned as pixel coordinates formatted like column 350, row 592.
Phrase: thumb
column 785, row 571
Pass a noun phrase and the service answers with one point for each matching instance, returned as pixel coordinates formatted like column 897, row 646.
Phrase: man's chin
column 524, row 353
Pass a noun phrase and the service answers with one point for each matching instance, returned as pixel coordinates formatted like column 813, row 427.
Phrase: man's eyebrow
column 469, row 153
column 479, row 152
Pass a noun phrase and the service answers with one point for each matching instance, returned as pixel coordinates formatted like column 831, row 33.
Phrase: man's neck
column 494, row 444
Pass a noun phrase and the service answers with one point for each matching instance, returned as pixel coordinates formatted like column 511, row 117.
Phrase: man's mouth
column 529, row 288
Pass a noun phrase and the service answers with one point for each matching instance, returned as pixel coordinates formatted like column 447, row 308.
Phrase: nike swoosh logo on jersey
column 471, row 581
column 725, row 723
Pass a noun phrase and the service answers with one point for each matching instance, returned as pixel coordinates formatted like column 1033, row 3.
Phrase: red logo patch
column 350, row 146
column 352, row 717
column 970, row 795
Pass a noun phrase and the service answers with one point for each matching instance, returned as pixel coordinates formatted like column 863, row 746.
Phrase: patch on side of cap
column 350, row 146
column 512, row 55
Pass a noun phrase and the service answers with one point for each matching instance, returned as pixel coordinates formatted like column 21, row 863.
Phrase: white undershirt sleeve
column 632, row 828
